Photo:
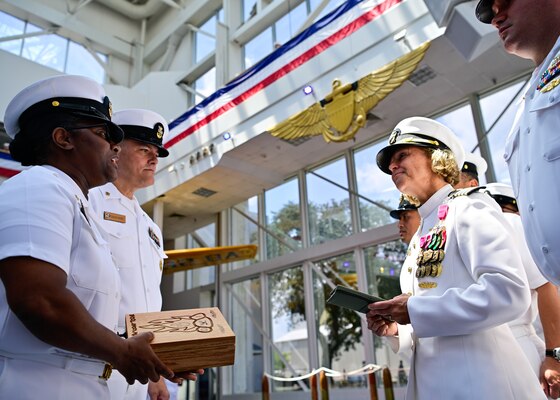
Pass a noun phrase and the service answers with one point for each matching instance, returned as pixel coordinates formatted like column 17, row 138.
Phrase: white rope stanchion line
column 365, row 370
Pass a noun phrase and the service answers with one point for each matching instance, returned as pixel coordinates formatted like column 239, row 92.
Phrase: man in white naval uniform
column 531, row 29
column 60, row 291
column 545, row 300
column 409, row 220
column 473, row 167
column 462, row 282
column 544, row 295
column 135, row 240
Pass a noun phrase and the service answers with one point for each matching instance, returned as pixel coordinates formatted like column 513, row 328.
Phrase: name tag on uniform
column 109, row 216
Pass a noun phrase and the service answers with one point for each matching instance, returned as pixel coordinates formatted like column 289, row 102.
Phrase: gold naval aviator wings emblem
column 342, row 112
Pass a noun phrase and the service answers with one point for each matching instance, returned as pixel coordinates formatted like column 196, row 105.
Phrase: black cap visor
column 505, row 200
column 469, row 167
column 116, row 134
column 80, row 107
column 396, row 214
column 384, row 156
column 162, row 151
column 153, row 136
column 484, row 11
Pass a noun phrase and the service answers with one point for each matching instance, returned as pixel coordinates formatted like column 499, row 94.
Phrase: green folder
column 349, row 298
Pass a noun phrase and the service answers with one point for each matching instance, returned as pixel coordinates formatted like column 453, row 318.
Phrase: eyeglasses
column 102, row 132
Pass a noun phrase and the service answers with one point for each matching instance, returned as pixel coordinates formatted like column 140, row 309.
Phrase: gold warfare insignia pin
column 427, row 285
column 109, row 216
column 394, row 136
column 550, row 85
column 159, row 130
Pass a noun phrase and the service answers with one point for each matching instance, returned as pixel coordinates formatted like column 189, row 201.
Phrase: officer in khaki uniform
column 462, row 282
column 135, row 240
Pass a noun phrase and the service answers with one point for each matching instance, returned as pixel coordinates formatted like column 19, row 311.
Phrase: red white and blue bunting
column 320, row 36
column 9, row 167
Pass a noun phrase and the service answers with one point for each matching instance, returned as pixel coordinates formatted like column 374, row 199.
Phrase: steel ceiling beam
column 64, row 20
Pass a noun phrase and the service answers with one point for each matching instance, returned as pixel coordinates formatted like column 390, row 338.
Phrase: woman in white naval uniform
column 60, row 289
column 462, row 281
column 135, row 240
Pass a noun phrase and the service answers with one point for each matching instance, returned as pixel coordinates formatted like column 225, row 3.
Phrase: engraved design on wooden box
column 198, row 322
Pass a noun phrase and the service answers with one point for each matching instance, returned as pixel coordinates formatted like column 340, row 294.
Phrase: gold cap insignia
column 55, row 103
column 159, row 132
column 394, row 135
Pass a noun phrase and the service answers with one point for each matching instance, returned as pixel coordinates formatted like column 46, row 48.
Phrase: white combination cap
column 502, row 193
column 500, row 189
column 474, row 164
column 76, row 95
column 144, row 126
column 423, row 132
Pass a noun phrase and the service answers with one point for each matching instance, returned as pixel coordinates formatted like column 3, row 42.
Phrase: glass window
column 339, row 330
column 283, row 219
column 48, row 50
column 81, row 62
column 206, row 39
column 379, row 194
column 246, row 323
column 244, row 228
column 492, row 106
column 249, row 9
column 205, row 85
column 460, row 121
column 290, row 355
column 51, row 50
column 329, row 205
column 11, row 26
column 383, row 265
column 287, row 26
column 203, row 237
column 383, row 268
column 258, row 48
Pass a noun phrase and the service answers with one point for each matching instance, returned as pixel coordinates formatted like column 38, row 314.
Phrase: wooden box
column 186, row 340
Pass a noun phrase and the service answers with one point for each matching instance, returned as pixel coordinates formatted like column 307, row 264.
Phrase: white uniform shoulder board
column 464, row 192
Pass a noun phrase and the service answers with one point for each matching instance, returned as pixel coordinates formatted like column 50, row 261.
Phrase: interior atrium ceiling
column 116, row 27
column 264, row 161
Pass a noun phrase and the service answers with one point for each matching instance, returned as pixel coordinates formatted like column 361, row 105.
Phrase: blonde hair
column 411, row 199
column 444, row 164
